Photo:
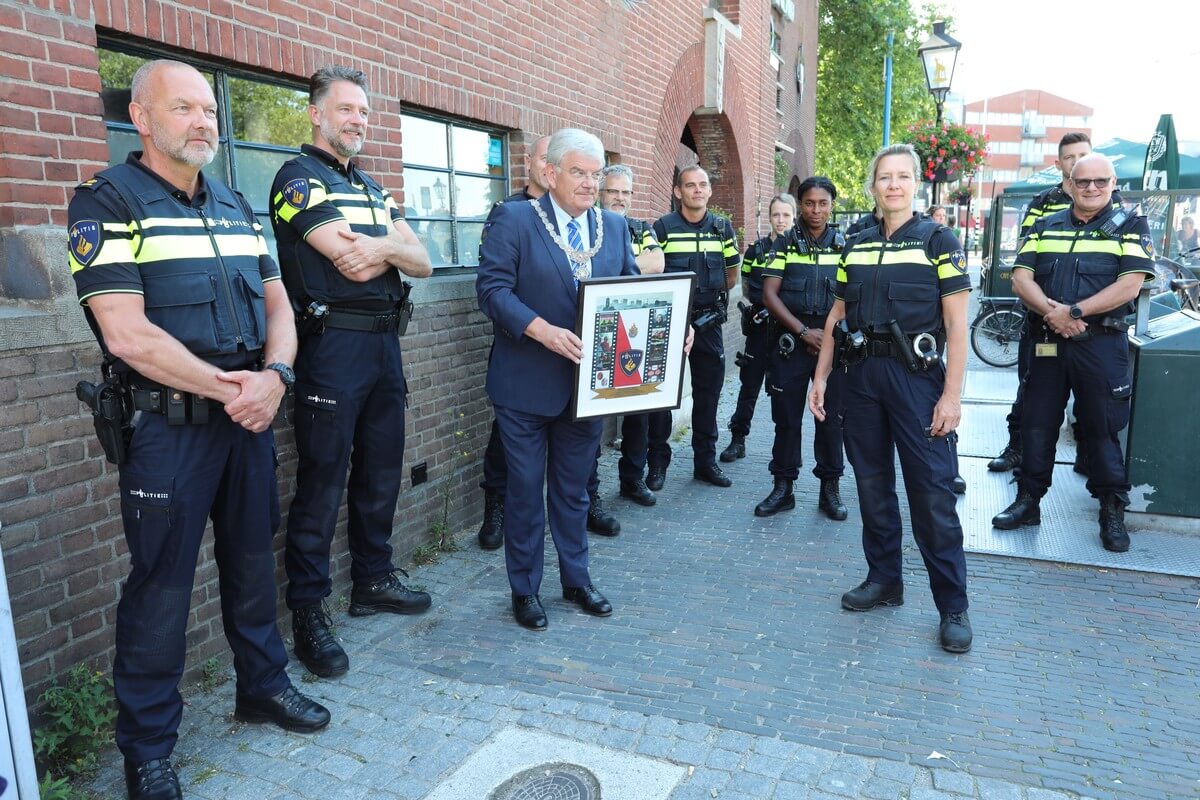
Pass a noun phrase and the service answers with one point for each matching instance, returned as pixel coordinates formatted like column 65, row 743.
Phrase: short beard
column 181, row 152
column 335, row 141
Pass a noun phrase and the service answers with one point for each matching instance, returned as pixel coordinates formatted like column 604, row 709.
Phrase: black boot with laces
column 387, row 594
column 315, row 644
column 152, row 780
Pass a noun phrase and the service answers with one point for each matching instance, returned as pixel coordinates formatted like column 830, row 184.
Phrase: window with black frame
column 453, row 175
column 265, row 122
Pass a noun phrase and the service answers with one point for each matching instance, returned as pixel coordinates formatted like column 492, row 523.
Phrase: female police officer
column 902, row 291
column 752, row 364
column 798, row 291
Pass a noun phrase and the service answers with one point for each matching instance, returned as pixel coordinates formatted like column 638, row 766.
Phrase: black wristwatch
column 1076, row 312
column 285, row 374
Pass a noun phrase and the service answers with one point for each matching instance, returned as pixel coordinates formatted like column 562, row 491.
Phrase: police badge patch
column 1148, row 245
column 958, row 260
column 84, row 238
column 295, row 193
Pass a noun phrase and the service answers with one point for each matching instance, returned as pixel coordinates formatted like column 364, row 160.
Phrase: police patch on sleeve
column 1148, row 245
column 958, row 259
column 84, row 240
column 295, row 193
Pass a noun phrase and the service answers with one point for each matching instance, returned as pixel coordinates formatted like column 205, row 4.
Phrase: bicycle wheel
column 996, row 337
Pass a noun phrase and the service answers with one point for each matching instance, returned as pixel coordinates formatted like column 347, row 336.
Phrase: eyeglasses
column 577, row 174
column 1083, row 183
column 618, row 192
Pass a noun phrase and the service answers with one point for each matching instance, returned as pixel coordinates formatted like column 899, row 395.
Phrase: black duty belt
column 179, row 407
column 387, row 322
column 883, row 348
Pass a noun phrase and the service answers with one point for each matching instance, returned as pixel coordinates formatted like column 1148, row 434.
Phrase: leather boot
column 655, row 478
column 736, row 449
column 152, row 780
column 1113, row 535
column 780, row 499
column 830, row 501
column 315, row 644
column 491, row 532
column 1010, row 456
column 599, row 520
column 1025, row 510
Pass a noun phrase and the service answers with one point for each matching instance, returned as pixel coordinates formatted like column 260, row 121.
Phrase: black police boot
column 289, row 710
column 315, row 644
column 387, row 594
column 655, row 478
column 958, row 485
column 868, row 595
column 638, row 492
column 1010, row 456
column 491, row 532
column 152, row 780
column 954, row 632
column 599, row 520
column 1025, row 510
column 736, row 449
column 830, row 500
column 1113, row 535
column 711, row 473
column 780, row 499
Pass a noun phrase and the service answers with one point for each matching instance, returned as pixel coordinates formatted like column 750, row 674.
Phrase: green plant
column 783, row 171
column 80, row 714
column 214, row 674
column 51, row 788
column 948, row 151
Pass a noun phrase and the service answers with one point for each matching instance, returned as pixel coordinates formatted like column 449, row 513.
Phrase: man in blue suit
column 533, row 255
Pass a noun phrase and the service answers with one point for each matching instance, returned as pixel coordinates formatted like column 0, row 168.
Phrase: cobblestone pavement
column 728, row 653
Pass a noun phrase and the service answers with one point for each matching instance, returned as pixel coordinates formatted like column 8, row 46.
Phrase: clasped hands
column 257, row 399
column 1059, row 320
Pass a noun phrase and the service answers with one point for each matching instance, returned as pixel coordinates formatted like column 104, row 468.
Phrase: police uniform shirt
column 1050, row 201
column 1073, row 260
column 312, row 190
column 902, row 278
column 865, row 222
column 712, row 237
column 641, row 236
column 809, row 276
column 200, row 263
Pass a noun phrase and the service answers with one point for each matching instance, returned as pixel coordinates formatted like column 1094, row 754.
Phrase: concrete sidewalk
column 728, row 670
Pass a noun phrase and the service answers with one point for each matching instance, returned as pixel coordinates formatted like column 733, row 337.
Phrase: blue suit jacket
column 523, row 275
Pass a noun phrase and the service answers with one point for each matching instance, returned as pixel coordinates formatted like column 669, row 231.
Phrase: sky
column 1131, row 61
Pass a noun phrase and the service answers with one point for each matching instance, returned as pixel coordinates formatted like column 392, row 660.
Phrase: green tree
column 853, row 45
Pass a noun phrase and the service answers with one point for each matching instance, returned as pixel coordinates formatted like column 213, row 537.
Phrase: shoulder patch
column 1148, row 244
column 84, row 238
column 295, row 193
column 958, row 260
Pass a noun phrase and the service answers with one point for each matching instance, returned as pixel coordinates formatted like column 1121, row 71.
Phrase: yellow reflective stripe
column 168, row 247
column 861, row 258
column 284, row 212
column 354, row 197
column 693, row 245
column 1030, row 245
column 1107, row 246
column 947, row 271
column 841, row 276
column 359, row 215
column 828, row 259
column 112, row 251
column 907, row 255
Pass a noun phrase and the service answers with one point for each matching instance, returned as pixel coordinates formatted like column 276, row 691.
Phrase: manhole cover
column 550, row 782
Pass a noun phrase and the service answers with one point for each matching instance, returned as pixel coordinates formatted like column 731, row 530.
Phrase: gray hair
column 324, row 78
column 573, row 140
column 892, row 150
column 137, row 86
column 1094, row 156
column 620, row 170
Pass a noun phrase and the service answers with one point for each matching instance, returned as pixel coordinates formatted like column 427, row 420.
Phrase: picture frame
column 633, row 328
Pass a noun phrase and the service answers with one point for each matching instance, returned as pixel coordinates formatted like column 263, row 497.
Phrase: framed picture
column 633, row 329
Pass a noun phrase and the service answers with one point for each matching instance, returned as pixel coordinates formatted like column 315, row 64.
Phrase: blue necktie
column 576, row 243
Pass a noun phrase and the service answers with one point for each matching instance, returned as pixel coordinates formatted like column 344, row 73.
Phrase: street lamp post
column 938, row 55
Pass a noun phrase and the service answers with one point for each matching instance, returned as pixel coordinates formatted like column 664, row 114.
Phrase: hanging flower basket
column 948, row 151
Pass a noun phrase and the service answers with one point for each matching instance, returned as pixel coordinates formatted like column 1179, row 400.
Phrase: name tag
column 1045, row 349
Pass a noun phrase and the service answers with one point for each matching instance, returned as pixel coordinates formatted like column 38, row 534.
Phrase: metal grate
column 550, row 782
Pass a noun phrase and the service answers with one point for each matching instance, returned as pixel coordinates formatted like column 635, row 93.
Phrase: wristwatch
column 285, row 374
column 1076, row 312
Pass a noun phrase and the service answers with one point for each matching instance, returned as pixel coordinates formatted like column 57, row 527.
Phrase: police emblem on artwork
column 631, row 360
column 1148, row 245
column 295, row 193
column 958, row 259
column 85, row 240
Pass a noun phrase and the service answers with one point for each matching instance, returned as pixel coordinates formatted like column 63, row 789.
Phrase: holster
column 109, row 416
column 311, row 319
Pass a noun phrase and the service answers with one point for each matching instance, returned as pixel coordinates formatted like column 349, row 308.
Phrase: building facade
column 460, row 90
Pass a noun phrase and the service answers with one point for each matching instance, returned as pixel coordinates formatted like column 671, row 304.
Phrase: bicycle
column 1181, row 279
column 996, row 330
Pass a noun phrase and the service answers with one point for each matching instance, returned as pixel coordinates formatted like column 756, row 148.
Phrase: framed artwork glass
column 633, row 328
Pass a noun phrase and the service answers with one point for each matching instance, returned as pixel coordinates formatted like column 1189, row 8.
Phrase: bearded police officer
column 616, row 195
column 1072, row 147
column 343, row 246
column 174, row 274
column 752, row 364
column 696, row 240
column 1079, row 271
column 798, row 289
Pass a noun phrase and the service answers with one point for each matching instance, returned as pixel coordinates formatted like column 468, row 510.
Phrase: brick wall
column 633, row 77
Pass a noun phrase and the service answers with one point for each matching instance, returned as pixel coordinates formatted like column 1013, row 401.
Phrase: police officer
column 1079, row 271
column 173, row 272
column 752, row 364
column 798, row 290
column 616, row 193
column 495, row 473
column 862, row 223
column 342, row 246
column 1072, row 147
column 902, row 291
column 696, row 240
